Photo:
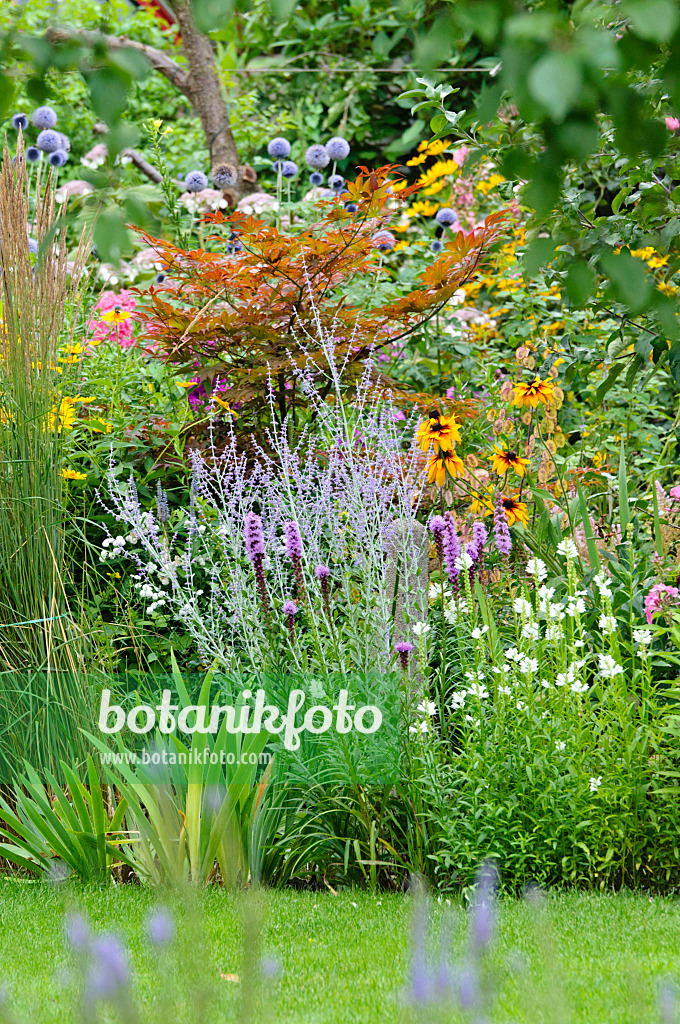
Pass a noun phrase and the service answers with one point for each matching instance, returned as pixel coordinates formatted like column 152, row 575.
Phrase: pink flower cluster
column 103, row 330
column 672, row 124
column 659, row 598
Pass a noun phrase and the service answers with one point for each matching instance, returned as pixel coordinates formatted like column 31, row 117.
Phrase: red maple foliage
column 250, row 317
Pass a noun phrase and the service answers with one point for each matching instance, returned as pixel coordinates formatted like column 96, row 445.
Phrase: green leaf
column 108, row 92
column 212, row 14
column 656, row 20
column 555, row 83
column 624, row 508
column 540, row 252
column 630, row 283
column 609, row 381
column 674, row 360
column 580, row 282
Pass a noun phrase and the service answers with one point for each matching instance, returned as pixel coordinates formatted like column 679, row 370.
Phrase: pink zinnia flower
column 672, row 124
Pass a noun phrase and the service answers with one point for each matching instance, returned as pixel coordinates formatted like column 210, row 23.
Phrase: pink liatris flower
column 403, row 649
column 500, row 528
column 289, row 609
column 102, row 330
column 659, row 598
column 253, row 536
column 672, row 124
column 294, row 551
column 322, row 573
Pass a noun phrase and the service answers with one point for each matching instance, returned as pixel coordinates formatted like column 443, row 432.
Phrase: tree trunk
column 203, row 90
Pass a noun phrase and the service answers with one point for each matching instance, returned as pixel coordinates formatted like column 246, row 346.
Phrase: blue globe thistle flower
column 195, row 181
column 289, row 169
column 436, row 245
column 279, row 148
column 337, row 148
column 32, row 154
column 44, row 117
column 384, row 240
column 48, row 140
column 317, row 157
column 446, row 217
column 351, row 207
column 159, row 278
column 19, row 121
column 33, row 247
column 65, row 142
column 316, row 179
column 336, row 182
column 224, row 176
column 58, row 158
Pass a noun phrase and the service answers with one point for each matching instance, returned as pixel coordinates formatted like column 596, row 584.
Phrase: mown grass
column 582, row 959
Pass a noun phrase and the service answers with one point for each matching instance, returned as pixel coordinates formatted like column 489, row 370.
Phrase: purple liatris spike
column 322, row 573
column 403, row 649
column 451, row 547
column 293, row 539
column 501, row 529
column 289, row 609
column 254, row 541
column 254, row 536
column 437, row 526
column 294, row 551
column 479, row 538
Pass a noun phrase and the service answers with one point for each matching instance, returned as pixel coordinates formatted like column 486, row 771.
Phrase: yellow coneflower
column 440, row 431
column 531, row 394
column 116, row 315
column 503, row 461
column 481, row 502
column 72, row 474
column 516, row 511
column 443, row 463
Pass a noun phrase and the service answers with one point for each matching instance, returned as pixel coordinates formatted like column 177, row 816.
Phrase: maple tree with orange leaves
column 251, row 317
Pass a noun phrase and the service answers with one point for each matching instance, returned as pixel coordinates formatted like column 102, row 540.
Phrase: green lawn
column 582, row 958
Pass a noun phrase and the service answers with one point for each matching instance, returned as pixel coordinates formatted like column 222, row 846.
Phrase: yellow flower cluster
column 442, row 169
column 489, row 184
column 427, row 149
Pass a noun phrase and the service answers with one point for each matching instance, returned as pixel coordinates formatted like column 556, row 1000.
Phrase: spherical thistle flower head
column 317, row 157
column 33, row 247
column 44, row 117
column 224, row 176
column 195, row 181
column 436, row 246
column 48, row 140
column 322, row 572
column 384, row 241
column 337, row 148
column 253, row 535
column 33, row 154
column 351, row 207
column 65, row 142
column 289, row 608
column 19, row 121
column 289, row 169
column 316, row 179
column 279, row 148
column 159, row 278
column 291, row 532
column 446, row 217
column 58, row 158
column 336, row 182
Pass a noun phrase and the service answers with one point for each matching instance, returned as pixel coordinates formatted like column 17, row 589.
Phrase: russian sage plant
column 311, row 524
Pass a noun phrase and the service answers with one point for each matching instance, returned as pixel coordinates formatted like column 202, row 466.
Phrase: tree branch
column 158, row 60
